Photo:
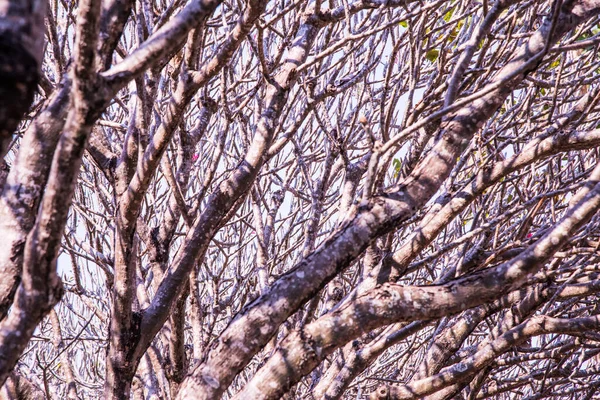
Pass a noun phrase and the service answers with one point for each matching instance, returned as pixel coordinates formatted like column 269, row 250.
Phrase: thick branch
column 21, row 50
column 389, row 303
column 257, row 322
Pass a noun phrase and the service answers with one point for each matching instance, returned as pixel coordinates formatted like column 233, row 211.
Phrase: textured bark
column 41, row 288
column 557, row 138
column 114, row 16
column 463, row 370
column 452, row 338
column 130, row 334
column 303, row 350
column 268, row 206
column 17, row 387
column 58, row 342
column 24, row 188
column 359, row 360
column 210, row 379
column 30, row 172
column 254, row 326
column 21, row 49
column 27, row 179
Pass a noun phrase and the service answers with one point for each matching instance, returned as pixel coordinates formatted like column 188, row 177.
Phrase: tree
column 254, row 200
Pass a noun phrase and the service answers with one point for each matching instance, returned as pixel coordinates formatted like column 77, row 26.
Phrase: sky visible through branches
column 342, row 199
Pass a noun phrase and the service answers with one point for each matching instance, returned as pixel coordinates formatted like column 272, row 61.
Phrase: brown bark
column 459, row 372
column 17, row 387
column 41, row 288
column 130, row 335
column 156, row 206
column 254, row 326
column 21, row 50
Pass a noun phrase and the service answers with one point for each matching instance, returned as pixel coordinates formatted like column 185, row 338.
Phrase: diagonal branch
column 303, row 350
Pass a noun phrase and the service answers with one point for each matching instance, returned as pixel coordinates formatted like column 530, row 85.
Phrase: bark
column 114, row 16
column 303, row 350
column 24, row 188
column 164, row 41
column 310, row 234
column 127, row 343
column 17, row 387
column 69, row 149
column 452, row 338
column 359, row 360
column 41, row 288
column 558, row 138
column 463, row 62
column 65, row 361
column 535, row 326
column 216, row 373
column 21, row 50
column 27, row 179
column 257, row 322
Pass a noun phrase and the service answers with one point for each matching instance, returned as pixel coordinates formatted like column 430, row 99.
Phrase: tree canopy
column 349, row 199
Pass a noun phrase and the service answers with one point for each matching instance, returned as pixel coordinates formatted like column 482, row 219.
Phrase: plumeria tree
column 385, row 199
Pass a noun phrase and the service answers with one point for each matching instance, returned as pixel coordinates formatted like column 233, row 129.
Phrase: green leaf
column 456, row 30
column 555, row 63
column 432, row 55
column 453, row 34
column 584, row 36
column 397, row 164
column 448, row 15
column 404, row 24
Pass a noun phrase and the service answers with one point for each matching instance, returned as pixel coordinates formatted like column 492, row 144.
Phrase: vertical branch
column 41, row 288
column 65, row 362
column 21, row 50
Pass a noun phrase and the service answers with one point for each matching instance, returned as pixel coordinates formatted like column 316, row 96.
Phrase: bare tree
column 383, row 199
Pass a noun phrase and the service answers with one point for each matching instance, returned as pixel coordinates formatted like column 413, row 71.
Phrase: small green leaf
column 404, row 24
column 555, row 63
column 397, row 164
column 584, row 36
column 432, row 55
column 453, row 34
column 448, row 15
